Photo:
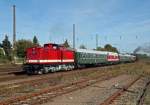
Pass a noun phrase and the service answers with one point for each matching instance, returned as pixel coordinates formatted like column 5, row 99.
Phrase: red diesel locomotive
column 51, row 57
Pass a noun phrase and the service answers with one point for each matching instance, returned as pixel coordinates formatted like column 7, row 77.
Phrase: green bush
column 1, row 53
column 4, row 59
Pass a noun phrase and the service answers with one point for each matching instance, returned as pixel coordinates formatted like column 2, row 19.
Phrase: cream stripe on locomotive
column 44, row 61
column 68, row 60
column 36, row 61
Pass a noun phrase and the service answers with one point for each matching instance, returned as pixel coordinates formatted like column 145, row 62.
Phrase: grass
column 139, row 68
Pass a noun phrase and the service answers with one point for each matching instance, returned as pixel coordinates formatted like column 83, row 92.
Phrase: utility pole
column 73, row 36
column 14, row 26
column 14, row 31
column 96, row 41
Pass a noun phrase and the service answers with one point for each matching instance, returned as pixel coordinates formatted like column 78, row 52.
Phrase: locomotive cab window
column 55, row 47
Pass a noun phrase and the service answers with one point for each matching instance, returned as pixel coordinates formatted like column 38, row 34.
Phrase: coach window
column 82, row 55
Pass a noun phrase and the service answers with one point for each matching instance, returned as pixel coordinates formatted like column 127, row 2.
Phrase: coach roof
column 91, row 51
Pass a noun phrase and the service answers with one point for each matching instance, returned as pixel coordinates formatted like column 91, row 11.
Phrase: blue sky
column 51, row 21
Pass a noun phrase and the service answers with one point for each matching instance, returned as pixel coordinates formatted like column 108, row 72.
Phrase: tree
column 82, row 46
column 66, row 44
column 114, row 49
column 109, row 47
column 6, row 45
column 1, row 45
column 35, row 41
column 100, row 49
column 21, row 46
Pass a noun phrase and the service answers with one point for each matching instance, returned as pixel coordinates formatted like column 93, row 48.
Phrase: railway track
column 9, row 75
column 118, row 93
column 140, row 101
column 21, row 75
column 132, row 94
column 6, row 70
column 146, row 96
column 49, row 92
column 15, row 73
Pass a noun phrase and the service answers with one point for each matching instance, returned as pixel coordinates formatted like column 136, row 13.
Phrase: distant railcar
column 127, row 58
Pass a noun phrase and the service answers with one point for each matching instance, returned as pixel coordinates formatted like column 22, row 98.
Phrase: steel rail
column 110, row 99
column 141, row 98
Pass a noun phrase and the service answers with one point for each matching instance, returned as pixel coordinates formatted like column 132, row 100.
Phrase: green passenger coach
column 90, row 57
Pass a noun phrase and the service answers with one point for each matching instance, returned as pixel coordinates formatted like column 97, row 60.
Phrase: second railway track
column 52, row 91
column 16, row 75
column 115, row 95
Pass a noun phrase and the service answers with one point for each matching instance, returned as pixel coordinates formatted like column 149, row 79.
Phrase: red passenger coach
column 113, row 57
column 49, row 58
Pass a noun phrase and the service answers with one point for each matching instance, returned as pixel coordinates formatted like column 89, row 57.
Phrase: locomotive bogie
column 43, row 69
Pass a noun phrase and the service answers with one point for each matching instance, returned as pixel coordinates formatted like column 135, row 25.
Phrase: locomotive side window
column 55, row 47
column 46, row 45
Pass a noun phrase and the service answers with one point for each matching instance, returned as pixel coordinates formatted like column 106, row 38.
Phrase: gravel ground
column 92, row 95
column 147, row 97
column 131, row 96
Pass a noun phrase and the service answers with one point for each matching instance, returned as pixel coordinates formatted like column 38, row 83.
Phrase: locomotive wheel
column 45, row 71
column 40, row 72
column 28, row 73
